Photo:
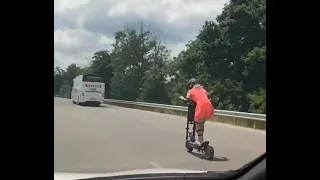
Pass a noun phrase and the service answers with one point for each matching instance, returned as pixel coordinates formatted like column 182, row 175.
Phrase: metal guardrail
column 253, row 116
column 251, row 120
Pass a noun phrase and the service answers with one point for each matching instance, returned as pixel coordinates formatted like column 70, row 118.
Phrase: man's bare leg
column 200, row 130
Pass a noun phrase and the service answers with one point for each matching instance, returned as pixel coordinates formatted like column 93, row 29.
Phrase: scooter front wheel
column 188, row 147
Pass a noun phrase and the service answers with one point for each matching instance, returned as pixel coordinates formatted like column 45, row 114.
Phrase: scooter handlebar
column 189, row 101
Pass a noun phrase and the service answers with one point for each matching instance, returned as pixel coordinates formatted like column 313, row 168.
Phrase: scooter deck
column 203, row 145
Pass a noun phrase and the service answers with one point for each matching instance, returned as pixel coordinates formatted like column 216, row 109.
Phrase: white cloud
column 77, row 46
column 104, row 40
column 83, row 27
column 62, row 5
column 65, row 37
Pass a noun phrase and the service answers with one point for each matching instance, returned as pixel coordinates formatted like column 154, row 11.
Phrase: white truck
column 88, row 89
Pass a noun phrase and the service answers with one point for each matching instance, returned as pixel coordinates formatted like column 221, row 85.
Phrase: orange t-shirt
column 204, row 108
column 199, row 95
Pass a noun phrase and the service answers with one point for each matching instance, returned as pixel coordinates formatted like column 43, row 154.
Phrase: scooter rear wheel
column 209, row 153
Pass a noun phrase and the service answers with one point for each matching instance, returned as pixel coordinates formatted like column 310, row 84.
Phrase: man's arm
column 188, row 95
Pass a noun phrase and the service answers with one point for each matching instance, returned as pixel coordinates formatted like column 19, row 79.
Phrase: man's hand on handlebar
column 187, row 100
column 183, row 98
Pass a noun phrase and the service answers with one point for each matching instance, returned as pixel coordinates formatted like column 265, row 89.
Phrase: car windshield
column 144, row 54
column 92, row 78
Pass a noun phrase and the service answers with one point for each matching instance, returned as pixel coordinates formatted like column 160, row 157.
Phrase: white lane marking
column 156, row 165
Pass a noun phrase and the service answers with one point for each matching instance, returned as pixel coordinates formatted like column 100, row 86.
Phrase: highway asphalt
column 110, row 139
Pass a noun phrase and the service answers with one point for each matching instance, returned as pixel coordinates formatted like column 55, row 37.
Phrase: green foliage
column 258, row 101
column 228, row 57
column 65, row 90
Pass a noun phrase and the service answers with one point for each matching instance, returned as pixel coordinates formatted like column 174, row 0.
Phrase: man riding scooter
column 204, row 109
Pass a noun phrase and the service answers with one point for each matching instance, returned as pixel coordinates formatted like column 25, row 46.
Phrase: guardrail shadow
column 101, row 106
column 215, row 158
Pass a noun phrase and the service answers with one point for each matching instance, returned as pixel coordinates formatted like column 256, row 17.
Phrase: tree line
column 228, row 57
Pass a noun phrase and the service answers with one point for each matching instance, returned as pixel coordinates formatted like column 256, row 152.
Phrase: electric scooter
column 205, row 148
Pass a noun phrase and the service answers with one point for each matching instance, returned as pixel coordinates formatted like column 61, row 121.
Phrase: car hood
column 73, row 176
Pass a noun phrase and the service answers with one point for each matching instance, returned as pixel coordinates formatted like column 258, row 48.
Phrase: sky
column 82, row 27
